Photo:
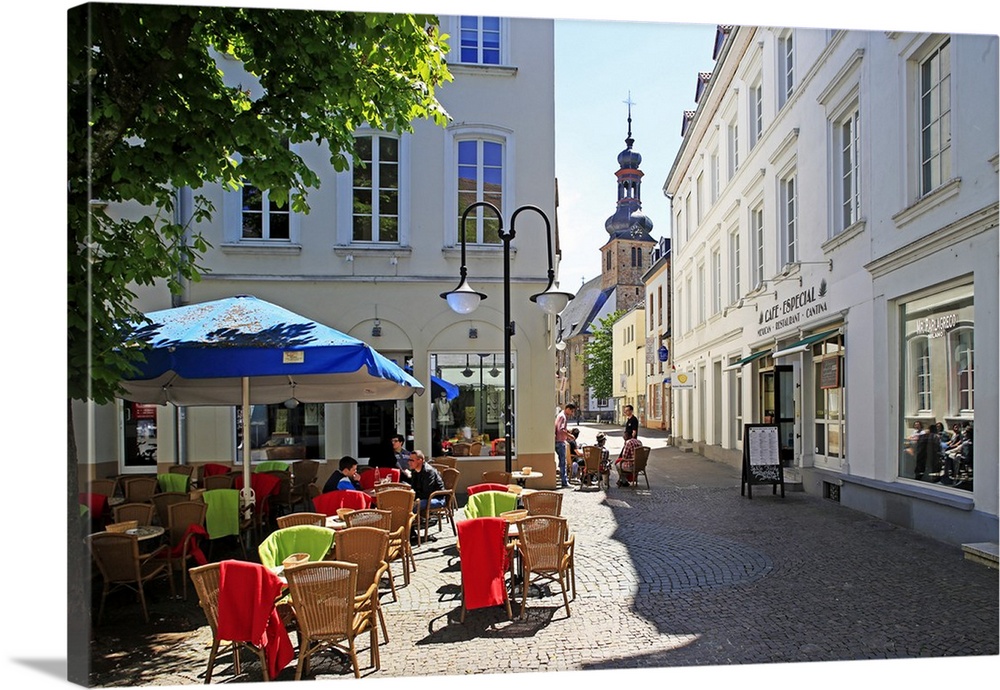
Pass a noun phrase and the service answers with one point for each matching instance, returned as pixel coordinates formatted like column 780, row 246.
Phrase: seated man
column 425, row 480
column 626, row 460
column 344, row 478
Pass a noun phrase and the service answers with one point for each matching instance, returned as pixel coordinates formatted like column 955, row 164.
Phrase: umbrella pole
column 246, row 494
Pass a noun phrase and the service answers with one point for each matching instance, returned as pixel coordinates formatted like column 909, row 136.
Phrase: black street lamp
column 464, row 300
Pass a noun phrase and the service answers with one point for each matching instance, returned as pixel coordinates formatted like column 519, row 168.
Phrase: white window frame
column 714, row 176
column 500, row 135
column 955, row 384
column 756, row 225
column 699, row 200
column 733, row 148
column 920, row 357
column 688, row 312
column 701, row 293
column 735, row 260
column 934, row 161
column 786, row 67
column 847, row 169
column 756, row 112
column 345, row 196
column 716, row 280
column 452, row 26
column 788, row 217
column 232, row 220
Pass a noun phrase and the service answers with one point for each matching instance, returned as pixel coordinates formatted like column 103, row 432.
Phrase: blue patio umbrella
column 439, row 386
column 242, row 351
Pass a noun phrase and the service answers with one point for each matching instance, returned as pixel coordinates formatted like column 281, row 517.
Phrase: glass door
column 784, row 406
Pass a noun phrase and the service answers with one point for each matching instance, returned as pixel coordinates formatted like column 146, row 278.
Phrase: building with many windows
column 834, row 250
column 371, row 259
column 659, row 399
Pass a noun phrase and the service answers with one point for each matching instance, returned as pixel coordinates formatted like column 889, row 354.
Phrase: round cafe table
column 522, row 477
column 146, row 532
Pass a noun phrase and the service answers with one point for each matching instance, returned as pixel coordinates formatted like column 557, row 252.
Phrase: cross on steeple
column 629, row 102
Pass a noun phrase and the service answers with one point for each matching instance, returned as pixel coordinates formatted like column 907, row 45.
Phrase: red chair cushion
column 367, row 476
column 246, row 611
column 488, row 486
column 329, row 502
column 483, row 546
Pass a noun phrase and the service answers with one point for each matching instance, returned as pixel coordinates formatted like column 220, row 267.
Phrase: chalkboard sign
column 829, row 373
column 761, row 458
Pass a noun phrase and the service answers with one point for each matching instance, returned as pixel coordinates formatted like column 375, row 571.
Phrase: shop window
column 828, row 377
column 476, row 413
column 139, row 435
column 937, row 368
column 286, row 432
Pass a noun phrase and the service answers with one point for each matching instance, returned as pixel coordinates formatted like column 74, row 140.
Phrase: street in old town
column 687, row 573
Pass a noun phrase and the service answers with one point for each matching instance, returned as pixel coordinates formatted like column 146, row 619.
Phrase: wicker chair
column 293, row 519
column 641, row 458
column 121, row 527
column 388, row 486
column 444, row 461
column 476, row 448
column 330, row 612
column 142, row 513
column 368, row 548
column 591, row 474
column 182, row 537
column 446, row 511
column 164, row 500
column 461, row 449
column 380, row 519
column 117, row 557
column 543, row 503
column 496, row 477
column 399, row 502
column 182, row 469
column 217, row 481
column 140, row 489
column 484, row 561
column 304, row 473
column 544, row 546
column 206, row 579
column 283, row 497
column 105, row 487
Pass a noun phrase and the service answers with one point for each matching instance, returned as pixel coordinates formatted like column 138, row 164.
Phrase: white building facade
column 835, row 255
column 380, row 245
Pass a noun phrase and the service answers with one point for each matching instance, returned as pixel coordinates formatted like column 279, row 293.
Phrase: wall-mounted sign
column 684, row 380
column 662, row 353
column 804, row 304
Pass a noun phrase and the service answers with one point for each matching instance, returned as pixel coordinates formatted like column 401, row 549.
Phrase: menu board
column 829, row 373
column 761, row 458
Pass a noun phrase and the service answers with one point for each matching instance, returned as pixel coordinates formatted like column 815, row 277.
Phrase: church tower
column 625, row 256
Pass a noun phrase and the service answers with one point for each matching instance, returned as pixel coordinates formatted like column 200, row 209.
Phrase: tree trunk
column 78, row 572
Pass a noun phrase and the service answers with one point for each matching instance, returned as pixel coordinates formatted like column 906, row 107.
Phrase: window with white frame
column 756, row 113
column 688, row 230
column 847, row 137
column 789, row 219
column 935, row 118
column 699, row 199
column 480, row 40
column 961, row 370
column 375, row 189
column 733, row 143
column 735, row 288
column 786, row 68
column 757, row 247
column 714, row 172
column 688, row 313
column 262, row 218
column 937, row 370
column 678, row 230
column 716, row 280
column 701, row 293
column 480, row 178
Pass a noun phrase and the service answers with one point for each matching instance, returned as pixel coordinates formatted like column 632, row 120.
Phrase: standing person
column 400, row 455
column 344, row 478
column 631, row 424
column 626, row 459
column 563, row 435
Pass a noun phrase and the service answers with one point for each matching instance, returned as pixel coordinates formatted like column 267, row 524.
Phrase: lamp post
column 464, row 300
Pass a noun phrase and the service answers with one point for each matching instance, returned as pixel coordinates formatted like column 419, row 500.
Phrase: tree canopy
column 151, row 111
column 597, row 355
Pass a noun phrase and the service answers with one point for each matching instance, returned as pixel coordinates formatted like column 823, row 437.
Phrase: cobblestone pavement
column 687, row 573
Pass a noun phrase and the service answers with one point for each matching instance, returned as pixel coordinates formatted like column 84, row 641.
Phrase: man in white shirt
column 562, row 435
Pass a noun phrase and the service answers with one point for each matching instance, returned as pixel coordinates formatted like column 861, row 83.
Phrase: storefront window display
column 476, row 414
column 938, row 387
column 281, row 432
column 139, row 425
column 828, row 372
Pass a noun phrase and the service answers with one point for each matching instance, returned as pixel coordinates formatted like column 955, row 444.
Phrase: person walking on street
column 631, row 429
column 562, row 435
